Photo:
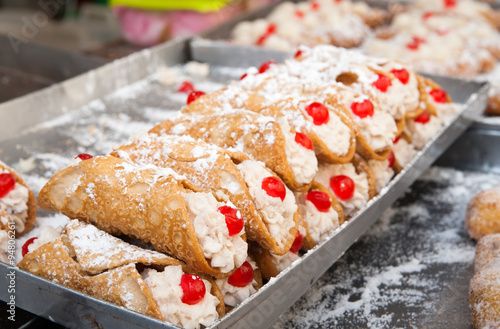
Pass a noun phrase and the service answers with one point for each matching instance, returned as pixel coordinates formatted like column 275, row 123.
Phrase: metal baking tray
column 28, row 66
column 76, row 96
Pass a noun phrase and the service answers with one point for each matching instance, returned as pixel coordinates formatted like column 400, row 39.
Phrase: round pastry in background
column 488, row 253
column 484, row 292
column 483, row 213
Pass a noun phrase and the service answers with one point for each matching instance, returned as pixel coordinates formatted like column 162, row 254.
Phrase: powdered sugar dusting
column 412, row 268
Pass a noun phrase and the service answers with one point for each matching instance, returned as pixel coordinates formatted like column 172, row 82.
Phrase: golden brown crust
column 487, row 252
column 111, row 194
column 483, row 214
column 493, row 107
column 484, row 293
column 362, row 166
column 229, row 129
column 215, row 177
column 32, row 207
column 264, row 261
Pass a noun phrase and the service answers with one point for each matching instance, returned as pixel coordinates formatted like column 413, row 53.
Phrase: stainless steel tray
column 92, row 94
column 27, row 67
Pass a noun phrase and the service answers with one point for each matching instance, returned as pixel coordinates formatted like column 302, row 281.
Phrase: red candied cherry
column 337, row 1
column 427, row 15
column 265, row 66
column 194, row 95
column 193, row 289
column 297, row 243
column 274, row 187
column 84, row 156
column 396, row 139
column 402, row 75
column 298, row 54
column 363, row 109
column 391, row 159
column 412, row 45
column 439, row 95
column 271, row 28
column 7, row 184
column 304, row 140
column 442, row 32
column 242, row 277
column 299, row 13
column 449, row 3
column 383, row 82
column 320, row 200
column 342, row 186
column 262, row 39
column 418, row 39
column 244, row 76
column 423, row 118
column 24, row 249
column 186, row 87
column 319, row 113
column 314, row 5
column 234, row 221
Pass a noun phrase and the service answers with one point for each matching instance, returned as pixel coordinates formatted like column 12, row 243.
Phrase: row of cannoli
column 245, row 179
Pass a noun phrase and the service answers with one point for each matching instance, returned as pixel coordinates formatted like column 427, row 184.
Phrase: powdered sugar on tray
column 411, row 269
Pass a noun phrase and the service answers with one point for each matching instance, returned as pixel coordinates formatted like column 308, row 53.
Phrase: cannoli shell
column 493, row 107
column 213, row 102
column 362, row 166
column 230, row 129
column 323, row 153
column 308, row 242
column 32, row 208
column 361, row 146
column 165, row 151
column 121, row 198
column 264, row 261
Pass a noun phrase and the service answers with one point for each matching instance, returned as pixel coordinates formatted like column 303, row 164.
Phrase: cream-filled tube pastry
column 328, row 130
column 352, row 184
column 321, row 213
column 17, row 202
column 92, row 261
column 241, row 284
column 259, row 136
column 155, row 205
column 270, row 264
column 210, row 168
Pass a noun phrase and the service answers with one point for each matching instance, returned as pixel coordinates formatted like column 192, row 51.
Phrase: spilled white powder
column 411, row 269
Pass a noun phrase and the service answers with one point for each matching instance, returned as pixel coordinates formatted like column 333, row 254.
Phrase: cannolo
column 353, row 184
column 210, row 168
column 330, row 130
column 321, row 213
column 260, row 136
column 241, row 284
column 17, row 202
column 87, row 259
column 155, row 205
column 271, row 265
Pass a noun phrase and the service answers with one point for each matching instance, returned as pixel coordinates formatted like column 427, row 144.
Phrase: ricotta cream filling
column 361, row 190
column 404, row 152
column 277, row 215
column 222, row 250
column 422, row 133
column 4, row 243
column 302, row 161
column 319, row 224
column 382, row 172
column 166, row 290
column 15, row 205
column 282, row 262
column 233, row 295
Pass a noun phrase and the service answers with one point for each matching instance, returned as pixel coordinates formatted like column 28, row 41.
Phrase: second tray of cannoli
column 188, row 219
column 451, row 37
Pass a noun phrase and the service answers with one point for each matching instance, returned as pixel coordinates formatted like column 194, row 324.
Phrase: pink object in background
column 147, row 28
